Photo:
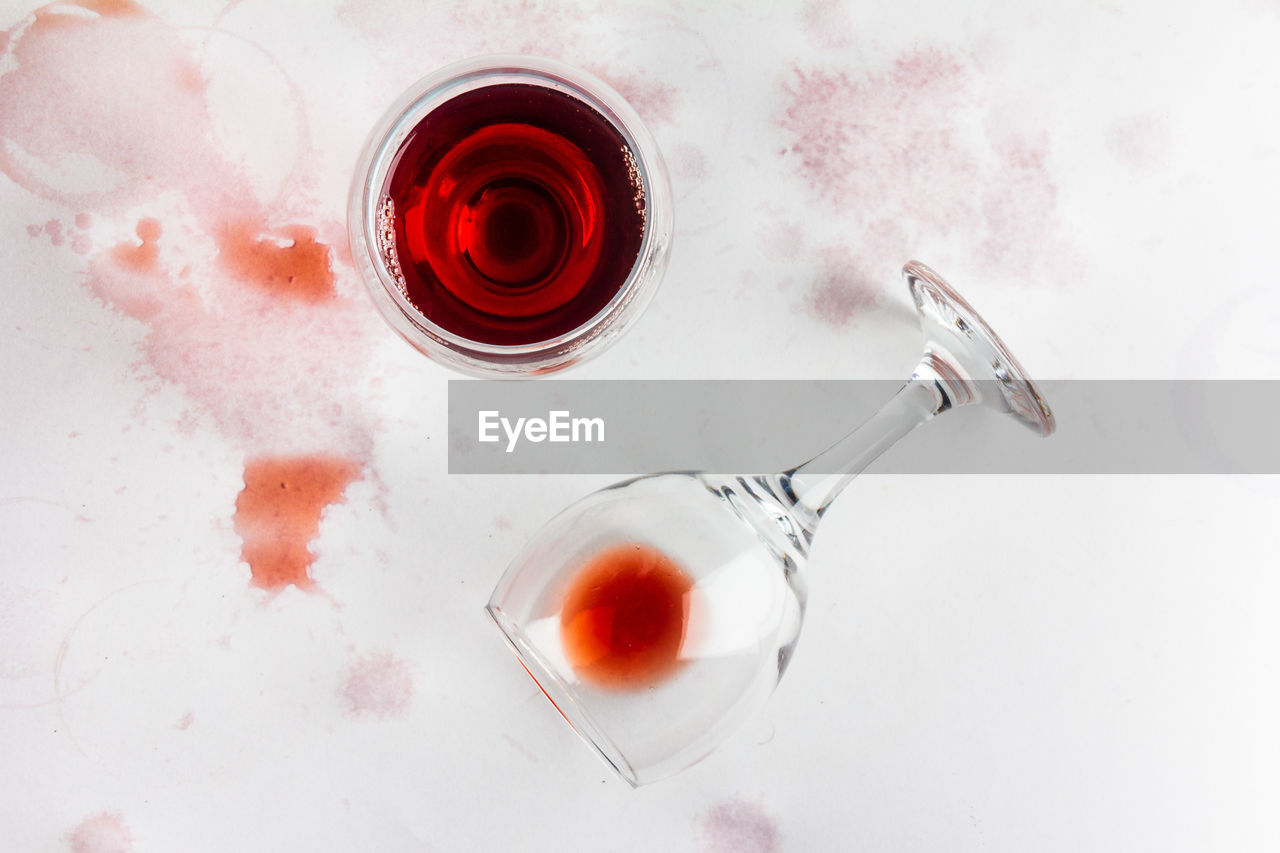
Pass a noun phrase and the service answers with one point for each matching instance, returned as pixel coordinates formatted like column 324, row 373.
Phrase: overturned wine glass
column 656, row 614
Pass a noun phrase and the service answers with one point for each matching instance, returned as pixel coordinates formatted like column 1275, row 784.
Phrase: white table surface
column 1032, row 663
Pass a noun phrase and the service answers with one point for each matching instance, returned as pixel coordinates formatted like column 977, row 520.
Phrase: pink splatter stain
column 278, row 514
column 826, row 22
column 246, row 315
column 58, row 233
column 737, row 826
column 243, row 308
column 841, row 290
column 881, row 138
column 290, row 263
column 377, row 685
column 259, row 339
column 502, row 26
column 452, row 30
column 144, row 125
column 143, row 256
column 1140, row 142
column 782, row 239
column 688, row 163
column 900, row 151
column 101, row 833
column 1019, row 204
column 654, row 100
column 185, row 721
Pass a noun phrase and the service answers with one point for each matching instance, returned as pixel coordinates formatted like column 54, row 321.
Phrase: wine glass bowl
column 510, row 216
column 658, row 613
column 655, row 701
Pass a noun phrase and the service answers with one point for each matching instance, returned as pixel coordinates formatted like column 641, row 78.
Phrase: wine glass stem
column 817, row 482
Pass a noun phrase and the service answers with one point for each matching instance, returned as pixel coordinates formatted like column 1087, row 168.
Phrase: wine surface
column 517, row 212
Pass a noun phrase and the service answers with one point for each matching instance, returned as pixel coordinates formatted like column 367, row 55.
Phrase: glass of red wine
column 656, row 614
column 510, row 215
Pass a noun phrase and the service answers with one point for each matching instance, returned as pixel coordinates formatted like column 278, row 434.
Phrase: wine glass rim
column 561, row 695
column 466, row 75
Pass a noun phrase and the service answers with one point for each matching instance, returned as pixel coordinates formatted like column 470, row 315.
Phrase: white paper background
column 987, row 664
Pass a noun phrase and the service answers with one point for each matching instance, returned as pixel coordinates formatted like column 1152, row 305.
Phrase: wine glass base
column 958, row 334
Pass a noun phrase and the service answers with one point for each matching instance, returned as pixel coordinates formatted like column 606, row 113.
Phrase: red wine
column 624, row 617
column 517, row 213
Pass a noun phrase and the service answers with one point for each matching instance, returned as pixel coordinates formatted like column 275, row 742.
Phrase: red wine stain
column 287, row 261
column 59, row 233
column 278, row 513
column 623, row 619
column 245, row 357
column 654, row 100
column 1140, row 142
column 826, row 23
column 913, row 152
column 688, row 163
column 737, row 826
column 1019, row 204
column 121, row 278
column 104, row 110
column 101, row 833
column 406, row 33
column 377, row 685
column 841, row 291
column 142, row 122
column 112, row 8
column 143, row 256
column 29, row 614
column 890, row 136
column 81, row 242
column 782, row 239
